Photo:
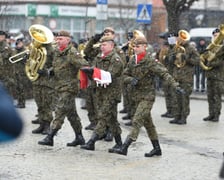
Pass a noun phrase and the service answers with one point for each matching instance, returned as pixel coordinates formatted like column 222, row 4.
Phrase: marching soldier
column 6, row 68
column 140, row 73
column 168, row 61
column 107, row 95
column 215, row 81
column 20, row 75
column 185, row 59
column 91, row 50
column 66, row 64
column 43, row 90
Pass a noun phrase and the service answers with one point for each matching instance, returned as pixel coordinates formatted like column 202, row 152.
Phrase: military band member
column 215, row 82
column 6, row 68
column 20, row 75
column 66, row 64
column 186, row 57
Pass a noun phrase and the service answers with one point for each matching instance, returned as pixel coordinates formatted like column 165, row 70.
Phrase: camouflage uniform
column 108, row 98
column 184, row 76
column 66, row 66
column 167, row 61
column 6, row 68
column 21, row 80
column 215, row 86
column 91, row 50
column 43, row 91
column 144, row 92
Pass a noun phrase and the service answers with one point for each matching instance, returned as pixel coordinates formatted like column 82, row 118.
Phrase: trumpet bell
column 41, row 34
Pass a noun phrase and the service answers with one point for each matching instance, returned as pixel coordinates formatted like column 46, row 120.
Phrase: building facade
column 84, row 18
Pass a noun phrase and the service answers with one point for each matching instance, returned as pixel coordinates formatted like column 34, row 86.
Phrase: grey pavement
column 190, row 152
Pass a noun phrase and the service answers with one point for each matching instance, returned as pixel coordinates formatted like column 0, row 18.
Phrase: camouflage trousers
column 91, row 104
column 181, row 102
column 43, row 98
column 20, row 89
column 107, row 116
column 214, row 96
column 142, row 117
column 168, row 94
column 66, row 107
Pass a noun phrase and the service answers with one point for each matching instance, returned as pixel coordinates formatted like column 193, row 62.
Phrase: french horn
column 212, row 49
column 41, row 35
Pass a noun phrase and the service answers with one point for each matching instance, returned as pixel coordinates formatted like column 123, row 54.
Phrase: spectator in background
column 199, row 72
column 11, row 124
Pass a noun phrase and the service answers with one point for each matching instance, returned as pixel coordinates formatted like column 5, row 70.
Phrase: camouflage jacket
column 217, row 66
column 113, row 64
column 66, row 65
column 185, row 74
column 5, row 53
column 145, row 72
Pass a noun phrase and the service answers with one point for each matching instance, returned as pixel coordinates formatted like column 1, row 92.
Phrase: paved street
column 190, row 152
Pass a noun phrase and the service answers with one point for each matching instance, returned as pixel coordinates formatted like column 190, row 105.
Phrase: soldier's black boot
column 35, row 121
column 79, row 140
column 215, row 119
column 123, row 150
column 182, row 121
column 46, row 128
column 90, row 145
column 118, row 144
column 91, row 126
column 48, row 140
column 168, row 114
column 109, row 136
column 156, row 149
column 208, row 118
column 175, row 120
column 40, row 128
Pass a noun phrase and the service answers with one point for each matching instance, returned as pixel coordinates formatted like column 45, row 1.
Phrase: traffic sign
column 144, row 13
column 101, row 2
column 102, row 10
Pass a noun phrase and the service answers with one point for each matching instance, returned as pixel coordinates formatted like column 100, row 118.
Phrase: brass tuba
column 179, row 50
column 212, row 49
column 37, row 52
column 136, row 33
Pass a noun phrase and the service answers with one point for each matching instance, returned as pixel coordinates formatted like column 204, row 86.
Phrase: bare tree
column 174, row 9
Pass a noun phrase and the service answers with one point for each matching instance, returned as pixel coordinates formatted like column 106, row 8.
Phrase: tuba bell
column 179, row 50
column 41, row 35
column 136, row 33
column 212, row 49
